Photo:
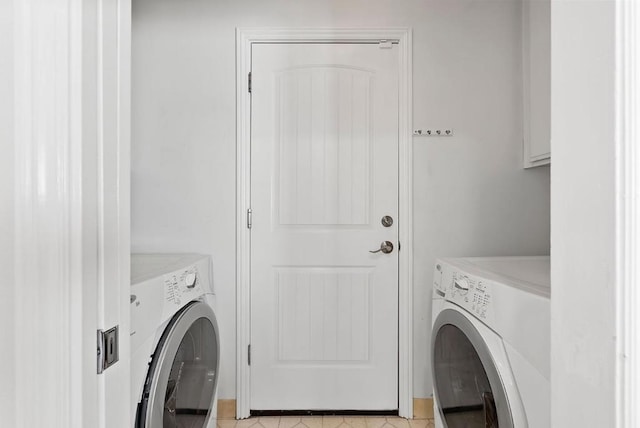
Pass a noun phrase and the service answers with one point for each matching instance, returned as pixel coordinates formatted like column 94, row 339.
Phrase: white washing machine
column 490, row 345
column 175, row 345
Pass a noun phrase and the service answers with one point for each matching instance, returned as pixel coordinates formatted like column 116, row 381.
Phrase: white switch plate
column 432, row 132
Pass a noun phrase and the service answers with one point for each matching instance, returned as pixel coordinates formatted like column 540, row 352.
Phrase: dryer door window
column 182, row 378
column 467, row 384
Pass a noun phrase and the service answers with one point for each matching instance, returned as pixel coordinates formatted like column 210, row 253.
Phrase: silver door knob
column 386, row 247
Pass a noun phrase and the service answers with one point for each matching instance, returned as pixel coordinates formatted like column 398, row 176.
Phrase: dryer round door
column 183, row 374
column 467, row 385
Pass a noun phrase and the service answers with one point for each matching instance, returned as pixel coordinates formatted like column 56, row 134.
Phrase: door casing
column 71, row 237
column 245, row 38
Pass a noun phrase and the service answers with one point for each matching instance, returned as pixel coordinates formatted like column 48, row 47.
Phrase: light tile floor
column 326, row 422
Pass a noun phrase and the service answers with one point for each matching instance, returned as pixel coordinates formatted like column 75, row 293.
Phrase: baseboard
column 423, row 408
column 226, row 409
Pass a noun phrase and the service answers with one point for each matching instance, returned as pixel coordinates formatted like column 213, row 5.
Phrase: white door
column 324, row 172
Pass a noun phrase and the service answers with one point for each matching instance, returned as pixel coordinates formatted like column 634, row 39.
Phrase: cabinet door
column 536, row 44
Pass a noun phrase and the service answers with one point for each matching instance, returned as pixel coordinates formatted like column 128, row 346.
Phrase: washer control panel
column 471, row 293
column 181, row 287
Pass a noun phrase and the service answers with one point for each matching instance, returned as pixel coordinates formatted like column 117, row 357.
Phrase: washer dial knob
column 462, row 285
column 190, row 280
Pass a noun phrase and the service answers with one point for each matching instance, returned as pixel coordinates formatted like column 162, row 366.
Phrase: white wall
column 472, row 196
column 7, row 401
column 583, row 214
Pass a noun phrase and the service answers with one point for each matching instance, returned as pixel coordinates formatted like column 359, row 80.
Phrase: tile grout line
column 323, row 422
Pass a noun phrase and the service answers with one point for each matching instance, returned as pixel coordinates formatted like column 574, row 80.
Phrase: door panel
column 323, row 314
column 324, row 157
column 324, row 171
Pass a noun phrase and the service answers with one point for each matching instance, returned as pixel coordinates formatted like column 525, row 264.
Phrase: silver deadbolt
column 386, row 247
column 387, row 221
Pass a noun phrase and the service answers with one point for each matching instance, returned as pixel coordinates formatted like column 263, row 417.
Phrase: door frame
column 71, row 206
column 245, row 38
column 627, row 111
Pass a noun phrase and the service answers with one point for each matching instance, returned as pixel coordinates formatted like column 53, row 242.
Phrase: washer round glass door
column 467, row 385
column 183, row 374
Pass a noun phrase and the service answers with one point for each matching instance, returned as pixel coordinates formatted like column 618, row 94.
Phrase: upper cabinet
column 536, row 48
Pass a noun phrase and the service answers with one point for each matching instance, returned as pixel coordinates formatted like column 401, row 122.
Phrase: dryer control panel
column 471, row 293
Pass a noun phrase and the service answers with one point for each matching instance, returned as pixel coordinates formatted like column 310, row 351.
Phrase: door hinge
column 249, row 218
column 249, row 354
column 385, row 44
column 399, row 246
column 249, row 81
column 107, row 352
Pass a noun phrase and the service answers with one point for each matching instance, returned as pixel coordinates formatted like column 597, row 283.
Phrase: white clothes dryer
column 175, row 345
column 490, row 345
